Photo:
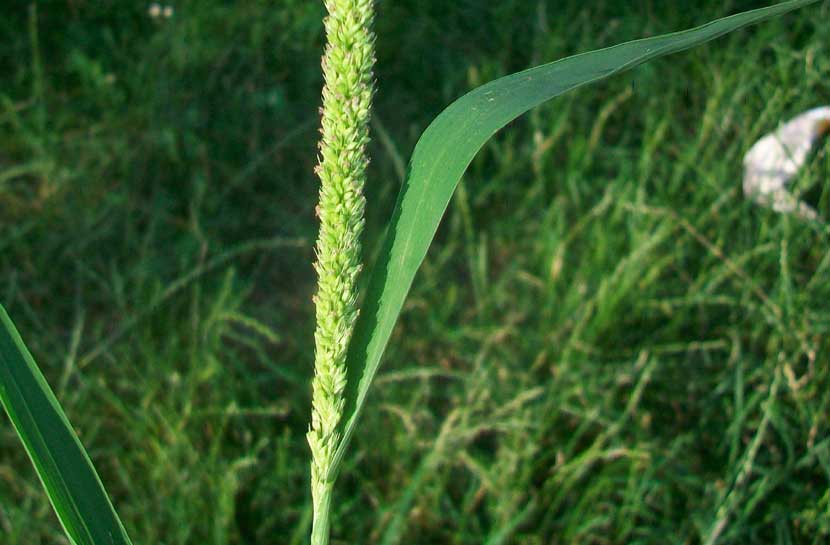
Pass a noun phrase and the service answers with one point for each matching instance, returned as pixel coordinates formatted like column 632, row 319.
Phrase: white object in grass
column 773, row 161
column 156, row 11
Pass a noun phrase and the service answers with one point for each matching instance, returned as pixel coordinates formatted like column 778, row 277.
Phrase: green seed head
column 347, row 96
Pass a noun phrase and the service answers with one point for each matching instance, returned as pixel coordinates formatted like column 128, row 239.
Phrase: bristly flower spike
column 347, row 96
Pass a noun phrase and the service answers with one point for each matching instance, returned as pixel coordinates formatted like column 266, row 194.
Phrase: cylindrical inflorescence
column 347, row 95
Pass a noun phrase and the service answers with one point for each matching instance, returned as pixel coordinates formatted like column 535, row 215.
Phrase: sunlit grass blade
column 442, row 155
column 62, row 464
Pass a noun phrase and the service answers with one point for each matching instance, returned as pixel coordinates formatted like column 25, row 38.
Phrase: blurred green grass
column 606, row 344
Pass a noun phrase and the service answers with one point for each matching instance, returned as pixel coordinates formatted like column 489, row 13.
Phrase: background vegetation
column 606, row 344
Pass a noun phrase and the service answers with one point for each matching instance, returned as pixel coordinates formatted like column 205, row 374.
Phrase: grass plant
column 627, row 353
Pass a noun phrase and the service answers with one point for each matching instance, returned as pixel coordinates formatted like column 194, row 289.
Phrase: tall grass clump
column 347, row 97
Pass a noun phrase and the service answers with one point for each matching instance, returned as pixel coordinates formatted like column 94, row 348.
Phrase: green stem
column 320, row 524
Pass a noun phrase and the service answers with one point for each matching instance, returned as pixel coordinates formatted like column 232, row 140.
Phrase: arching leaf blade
column 444, row 152
column 64, row 468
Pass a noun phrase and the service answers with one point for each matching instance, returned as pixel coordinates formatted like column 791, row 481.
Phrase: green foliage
column 70, row 481
column 597, row 229
column 445, row 151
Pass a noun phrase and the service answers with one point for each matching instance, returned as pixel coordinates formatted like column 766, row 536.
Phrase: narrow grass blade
column 61, row 462
column 446, row 149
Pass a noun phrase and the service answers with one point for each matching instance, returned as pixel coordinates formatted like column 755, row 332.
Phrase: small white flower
column 168, row 12
column 154, row 10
